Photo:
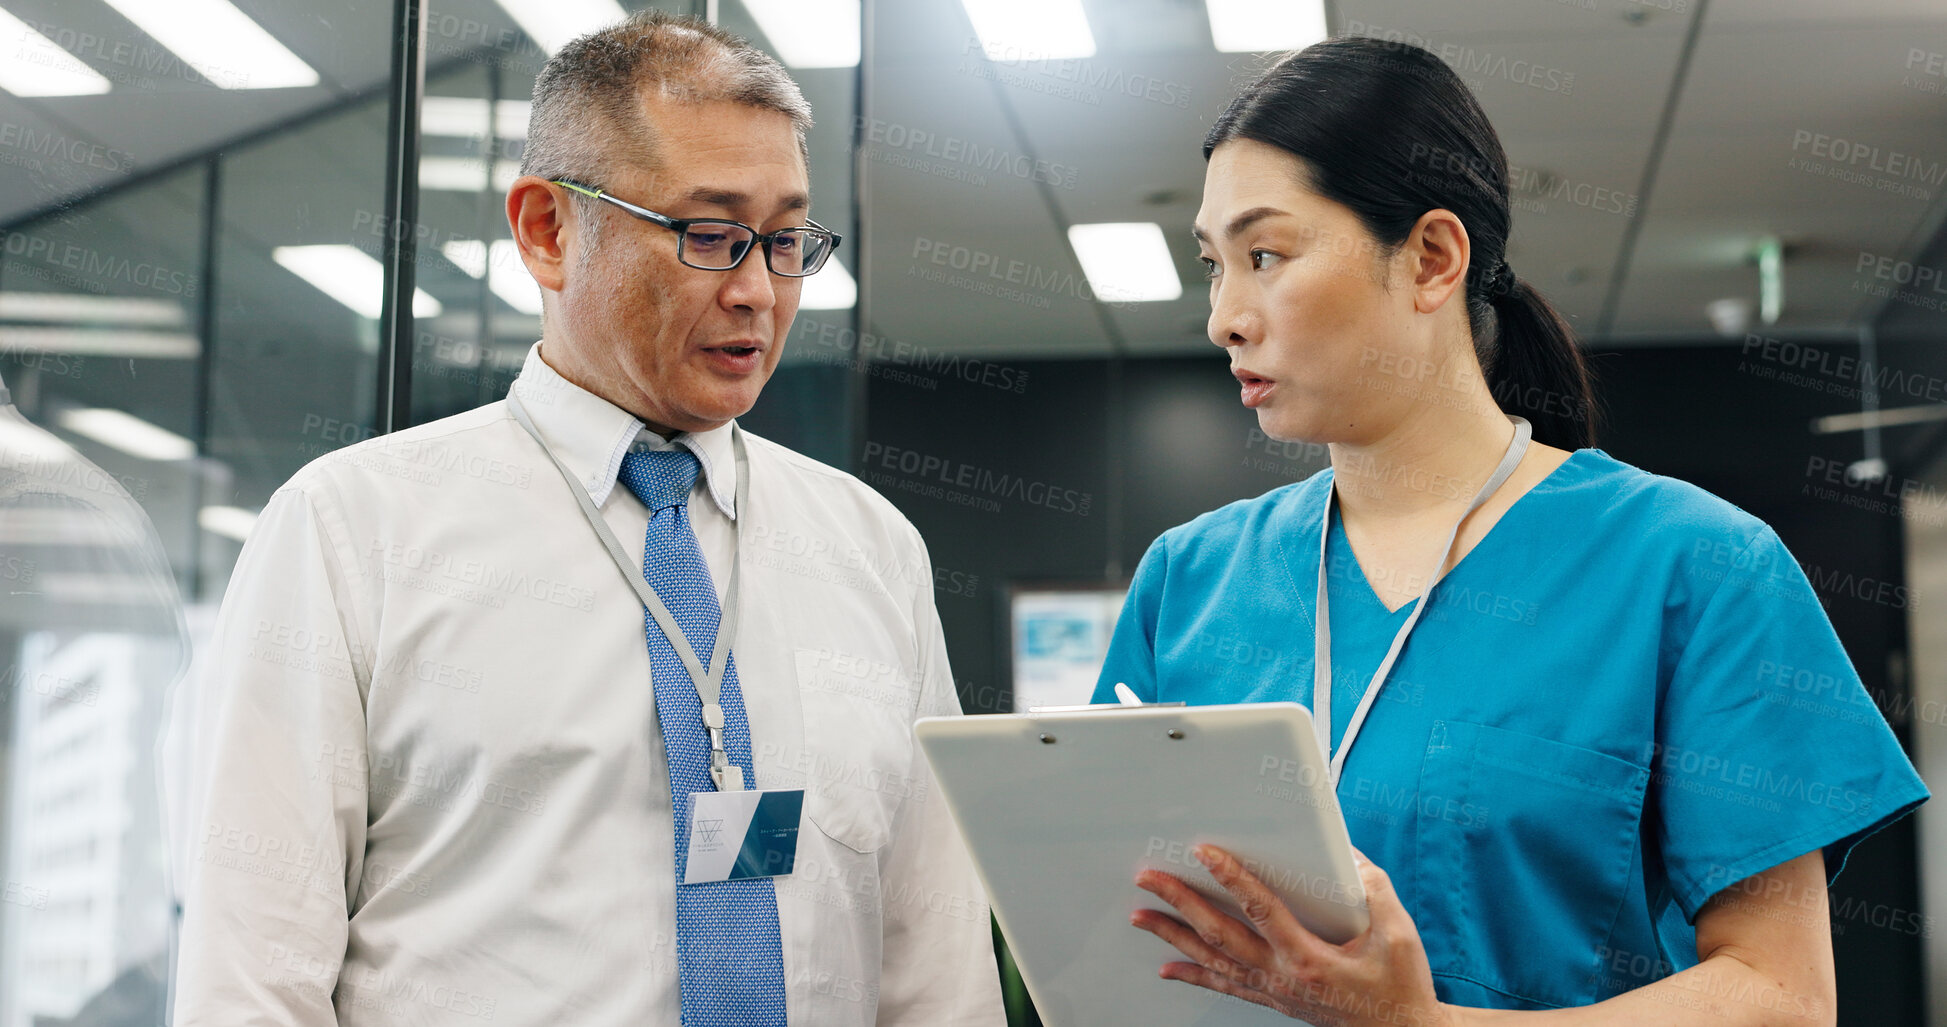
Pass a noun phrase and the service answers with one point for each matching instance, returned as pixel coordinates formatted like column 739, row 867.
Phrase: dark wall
column 1124, row 450
column 1912, row 333
column 951, row 456
column 807, row 409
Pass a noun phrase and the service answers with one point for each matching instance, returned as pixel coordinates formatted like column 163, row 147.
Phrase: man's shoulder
column 826, row 487
column 421, row 452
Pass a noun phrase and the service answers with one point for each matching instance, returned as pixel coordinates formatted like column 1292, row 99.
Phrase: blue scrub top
column 1625, row 698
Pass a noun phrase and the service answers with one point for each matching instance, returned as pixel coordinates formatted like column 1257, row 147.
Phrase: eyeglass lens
column 715, row 246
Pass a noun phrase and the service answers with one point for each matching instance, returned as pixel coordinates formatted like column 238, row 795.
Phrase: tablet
column 1061, row 809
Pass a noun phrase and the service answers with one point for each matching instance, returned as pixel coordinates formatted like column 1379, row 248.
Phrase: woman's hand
column 1380, row 977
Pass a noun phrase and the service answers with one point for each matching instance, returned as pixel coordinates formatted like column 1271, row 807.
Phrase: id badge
column 734, row 835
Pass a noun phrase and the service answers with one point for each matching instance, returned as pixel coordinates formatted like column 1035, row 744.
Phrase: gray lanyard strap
column 709, row 683
column 1322, row 654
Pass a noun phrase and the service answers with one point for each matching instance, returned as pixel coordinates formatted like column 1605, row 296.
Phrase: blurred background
column 228, row 245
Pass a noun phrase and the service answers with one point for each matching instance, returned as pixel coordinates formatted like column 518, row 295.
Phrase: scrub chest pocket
column 1551, row 828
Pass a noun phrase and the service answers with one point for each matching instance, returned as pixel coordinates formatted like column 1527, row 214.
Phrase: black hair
column 1388, row 130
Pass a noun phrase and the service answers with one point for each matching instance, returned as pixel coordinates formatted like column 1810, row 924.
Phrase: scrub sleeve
column 1767, row 744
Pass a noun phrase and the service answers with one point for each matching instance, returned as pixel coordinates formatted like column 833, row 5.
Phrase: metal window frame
column 405, row 93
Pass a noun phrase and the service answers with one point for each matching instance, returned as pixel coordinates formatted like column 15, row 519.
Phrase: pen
column 1127, row 695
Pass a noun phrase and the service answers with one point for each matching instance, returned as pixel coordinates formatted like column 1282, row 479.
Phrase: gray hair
column 586, row 100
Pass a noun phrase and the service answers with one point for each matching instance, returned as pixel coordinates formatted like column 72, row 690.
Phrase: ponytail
column 1536, row 371
column 1388, row 130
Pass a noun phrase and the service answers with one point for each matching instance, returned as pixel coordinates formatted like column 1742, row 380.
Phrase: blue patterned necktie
column 729, row 959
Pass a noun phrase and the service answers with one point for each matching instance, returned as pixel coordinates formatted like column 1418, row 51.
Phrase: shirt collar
column 592, row 435
column 713, row 451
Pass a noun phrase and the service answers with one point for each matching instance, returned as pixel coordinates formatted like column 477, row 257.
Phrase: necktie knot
column 661, row 478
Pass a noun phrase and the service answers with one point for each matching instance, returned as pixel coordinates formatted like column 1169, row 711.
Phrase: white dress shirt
column 436, row 789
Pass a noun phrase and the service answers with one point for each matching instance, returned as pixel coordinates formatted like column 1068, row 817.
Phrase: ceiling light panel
column 810, row 33
column 1031, row 30
column 831, row 288
column 508, row 278
column 126, row 432
column 83, row 308
column 38, row 66
column 466, row 118
column 220, row 42
column 231, row 522
column 553, row 23
column 1126, row 262
column 348, row 275
column 1245, row 26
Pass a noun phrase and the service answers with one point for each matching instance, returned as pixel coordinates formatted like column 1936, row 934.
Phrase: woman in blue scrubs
column 1611, row 756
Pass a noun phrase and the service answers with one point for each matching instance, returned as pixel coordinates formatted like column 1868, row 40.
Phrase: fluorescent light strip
column 220, row 42
column 232, row 522
column 832, row 288
column 810, row 33
column 465, row 118
column 1771, row 279
column 100, row 342
column 1126, row 261
column 126, row 432
column 80, row 308
column 103, row 589
column 469, row 255
column 1245, row 26
column 1861, row 420
column 452, row 174
column 505, row 171
column 348, row 275
column 508, row 279
column 1031, row 30
column 553, row 23
column 33, row 65
column 465, row 174
column 44, row 526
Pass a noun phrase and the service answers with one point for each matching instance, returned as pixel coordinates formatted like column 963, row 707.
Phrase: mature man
column 457, row 773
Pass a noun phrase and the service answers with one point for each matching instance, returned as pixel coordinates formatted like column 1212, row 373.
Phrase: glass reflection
column 91, row 627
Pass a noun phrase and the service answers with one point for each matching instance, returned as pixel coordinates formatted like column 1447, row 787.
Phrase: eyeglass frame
column 681, row 227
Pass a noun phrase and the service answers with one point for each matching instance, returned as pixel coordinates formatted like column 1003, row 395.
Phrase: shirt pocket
column 858, row 716
column 1523, row 850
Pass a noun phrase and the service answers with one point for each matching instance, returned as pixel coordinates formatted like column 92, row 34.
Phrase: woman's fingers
column 1393, row 930
column 1201, row 976
column 1214, row 928
column 1382, row 902
column 1265, row 910
column 1275, row 961
column 1192, row 945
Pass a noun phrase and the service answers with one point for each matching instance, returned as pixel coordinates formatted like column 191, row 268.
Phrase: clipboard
column 1060, row 808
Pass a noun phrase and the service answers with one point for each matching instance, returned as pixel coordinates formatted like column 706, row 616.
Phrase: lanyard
column 709, row 684
column 1322, row 654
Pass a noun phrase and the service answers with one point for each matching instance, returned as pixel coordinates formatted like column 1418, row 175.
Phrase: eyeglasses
column 715, row 244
